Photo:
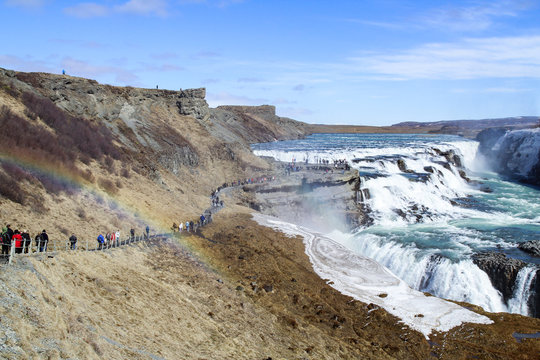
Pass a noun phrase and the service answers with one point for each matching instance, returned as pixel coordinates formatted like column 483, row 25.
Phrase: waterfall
column 428, row 272
column 522, row 291
column 431, row 205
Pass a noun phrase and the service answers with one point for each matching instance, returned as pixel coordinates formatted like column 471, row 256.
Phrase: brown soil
column 249, row 254
column 236, row 290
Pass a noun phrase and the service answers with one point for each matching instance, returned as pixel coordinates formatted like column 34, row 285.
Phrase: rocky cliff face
column 161, row 145
column 513, row 153
column 503, row 272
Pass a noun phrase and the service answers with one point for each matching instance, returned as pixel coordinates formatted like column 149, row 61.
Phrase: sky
column 358, row 62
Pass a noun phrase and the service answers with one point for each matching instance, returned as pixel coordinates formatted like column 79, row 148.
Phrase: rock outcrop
column 312, row 197
column 532, row 247
column 192, row 102
column 502, row 271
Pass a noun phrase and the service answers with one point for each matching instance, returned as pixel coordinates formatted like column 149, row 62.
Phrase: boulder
column 532, row 247
column 501, row 270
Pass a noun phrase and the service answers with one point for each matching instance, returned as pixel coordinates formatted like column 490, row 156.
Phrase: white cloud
column 225, row 3
column 165, row 55
column 225, row 98
column 26, row 64
column 144, row 7
column 508, row 57
column 25, row 3
column 210, row 81
column 136, row 7
column 249, row 80
column 162, row 67
column 283, row 101
column 84, row 69
column 473, row 18
column 497, row 90
column 507, row 90
column 379, row 24
column 207, row 54
column 87, row 10
column 294, row 112
column 482, row 16
column 218, row 3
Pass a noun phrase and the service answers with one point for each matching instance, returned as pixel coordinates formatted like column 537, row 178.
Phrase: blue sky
column 334, row 62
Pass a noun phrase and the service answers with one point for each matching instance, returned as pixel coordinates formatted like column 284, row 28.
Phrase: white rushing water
column 427, row 221
column 365, row 280
column 523, row 284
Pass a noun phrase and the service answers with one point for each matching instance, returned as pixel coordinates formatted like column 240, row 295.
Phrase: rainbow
column 76, row 182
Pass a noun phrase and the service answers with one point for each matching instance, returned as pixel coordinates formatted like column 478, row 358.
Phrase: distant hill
column 469, row 128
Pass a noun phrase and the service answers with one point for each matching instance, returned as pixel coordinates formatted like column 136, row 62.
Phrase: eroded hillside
column 85, row 157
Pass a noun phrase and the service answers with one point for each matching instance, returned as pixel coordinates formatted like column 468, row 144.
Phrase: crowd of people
column 22, row 241
column 342, row 164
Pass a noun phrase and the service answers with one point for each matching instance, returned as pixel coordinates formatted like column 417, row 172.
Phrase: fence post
column 11, row 252
column 23, row 246
column 30, row 248
column 66, row 246
column 54, row 246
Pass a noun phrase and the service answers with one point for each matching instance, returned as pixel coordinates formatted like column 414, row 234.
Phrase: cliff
column 131, row 152
column 515, row 153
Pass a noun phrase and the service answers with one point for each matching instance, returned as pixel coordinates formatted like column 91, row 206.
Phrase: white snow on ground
column 365, row 279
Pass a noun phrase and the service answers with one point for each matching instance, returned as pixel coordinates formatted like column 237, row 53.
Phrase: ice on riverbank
column 365, row 280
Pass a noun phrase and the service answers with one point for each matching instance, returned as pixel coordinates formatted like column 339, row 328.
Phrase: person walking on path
column 17, row 242
column 73, row 241
column 37, row 239
column 187, row 226
column 101, row 241
column 27, row 240
column 9, row 231
column 6, row 241
column 132, row 233
column 147, row 231
column 117, row 238
column 112, row 243
column 181, row 226
column 44, row 241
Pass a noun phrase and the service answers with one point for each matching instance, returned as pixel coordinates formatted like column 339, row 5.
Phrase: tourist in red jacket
column 18, row 241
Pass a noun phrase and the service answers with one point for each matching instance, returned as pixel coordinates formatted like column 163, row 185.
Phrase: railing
column 37, row 247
